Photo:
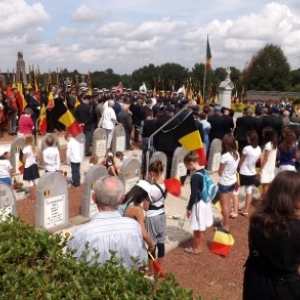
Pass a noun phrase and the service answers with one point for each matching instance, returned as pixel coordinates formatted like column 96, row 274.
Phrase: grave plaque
column 99, row 142
column 44, row 146
column 130, row 173
column 118, row 142
column 158, row 155
column 52, row 204
column 16, row 146
column 7, row 201
column 88, row 206
column 178, row 168
column 214, row 156
column 81, row 139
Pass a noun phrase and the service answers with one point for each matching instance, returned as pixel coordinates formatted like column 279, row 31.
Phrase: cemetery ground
column 209, row 275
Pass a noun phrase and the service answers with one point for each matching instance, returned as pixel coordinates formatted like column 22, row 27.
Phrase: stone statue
column 21, row 69
column 228, row 71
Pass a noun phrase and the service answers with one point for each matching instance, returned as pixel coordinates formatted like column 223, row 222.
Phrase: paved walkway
column 177, row 226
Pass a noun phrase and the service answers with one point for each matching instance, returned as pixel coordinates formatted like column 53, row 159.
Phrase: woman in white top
column 108, row 121
column 250, row 155
column 227, row 171
column 267, row 168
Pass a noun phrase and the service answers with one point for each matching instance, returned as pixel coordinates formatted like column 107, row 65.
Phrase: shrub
column 34, row 266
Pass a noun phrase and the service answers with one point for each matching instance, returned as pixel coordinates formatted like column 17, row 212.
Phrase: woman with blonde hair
column 31, row 172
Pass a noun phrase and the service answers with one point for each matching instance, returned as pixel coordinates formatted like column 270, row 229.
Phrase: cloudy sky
column 127, row 34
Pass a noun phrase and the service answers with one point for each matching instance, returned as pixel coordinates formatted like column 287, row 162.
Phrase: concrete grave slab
column 16, row 146
column 52, row 203
column 7, row 201
column 88, row 207
column 119, row 139
column 178, row 168
column 99, row 142
column 130, row 173
column 214, row 156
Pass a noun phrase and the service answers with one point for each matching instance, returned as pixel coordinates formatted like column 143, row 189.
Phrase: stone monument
column 7, row 201
column 225, row 90
column 52, row 203
column 88, row 206
column 21, row 68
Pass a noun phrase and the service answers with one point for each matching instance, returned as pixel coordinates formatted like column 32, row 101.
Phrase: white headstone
column 88, row 207
column 99, row 142
column 158, row 155
column 119, row 139
column 16, row 146
column 214, row 156
column 178, row 168
column 7, row 201
column 52, row 204
column 130, row 173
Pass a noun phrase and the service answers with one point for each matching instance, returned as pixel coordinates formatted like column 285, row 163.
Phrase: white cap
column 146, row 186
column 4, row 150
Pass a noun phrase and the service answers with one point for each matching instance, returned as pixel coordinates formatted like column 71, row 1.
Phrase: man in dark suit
column 243, row 126
column 124, row 118
column 165, row 141
column 273, row 121
column 84, row 114
column 217, row 122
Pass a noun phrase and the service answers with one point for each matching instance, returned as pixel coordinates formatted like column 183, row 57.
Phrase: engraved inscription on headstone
column 99, row 142
column 118, row 141
column 44, row 146
column 88, row 206
column 178, row 168
column 7, row 201
column 158, row 155
column 214, row 155
column 16, row 145
column 52, row 204
column 130, row 173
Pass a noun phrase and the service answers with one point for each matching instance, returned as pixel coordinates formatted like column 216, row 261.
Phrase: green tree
column 268, row 70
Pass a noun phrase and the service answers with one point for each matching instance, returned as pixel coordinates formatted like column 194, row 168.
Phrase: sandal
column 233, row 215
column 190, row 250
column 243, row 213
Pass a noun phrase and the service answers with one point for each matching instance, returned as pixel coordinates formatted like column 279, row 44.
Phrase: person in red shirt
column 26, row 124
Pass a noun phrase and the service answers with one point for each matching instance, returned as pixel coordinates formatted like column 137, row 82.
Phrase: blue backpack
column 209, row 189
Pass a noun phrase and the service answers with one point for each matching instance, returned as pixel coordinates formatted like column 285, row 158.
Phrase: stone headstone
column 52, row 204
column 130, row 173
column 158, row 155
column 88, row 207
column 99, row 142
column 44, row 146
column 81, row 139
column 7, row 201
column 119, row 139
column 16, row 145
column 214, row 155
column 178, row 168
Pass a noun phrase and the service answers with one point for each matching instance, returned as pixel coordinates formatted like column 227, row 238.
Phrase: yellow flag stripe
column 67, row 118
column 223, row 238
column 191, row 141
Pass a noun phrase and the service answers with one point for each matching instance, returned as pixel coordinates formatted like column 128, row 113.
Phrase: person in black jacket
column 243, row 126
column 124, row 118
column 165, row 141
column 84, row 114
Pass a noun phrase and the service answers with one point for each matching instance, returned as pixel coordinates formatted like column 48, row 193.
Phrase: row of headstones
column 99, row 144
column 52, row 205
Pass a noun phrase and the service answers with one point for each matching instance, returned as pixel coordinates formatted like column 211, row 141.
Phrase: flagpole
column 205, row 66
column 158, row 130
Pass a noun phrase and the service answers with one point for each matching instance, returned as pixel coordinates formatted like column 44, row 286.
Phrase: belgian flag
column 64, row 116
column 208, row 56
column 222, row 242
column 189, row 137
column 21, row 98
column 43, row 119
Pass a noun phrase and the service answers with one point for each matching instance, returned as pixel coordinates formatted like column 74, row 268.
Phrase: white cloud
column 16, row 16
column 85, row 13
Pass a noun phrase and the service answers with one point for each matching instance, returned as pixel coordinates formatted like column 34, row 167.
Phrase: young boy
column 74, row 158
column 120, row 155
column 51, row 156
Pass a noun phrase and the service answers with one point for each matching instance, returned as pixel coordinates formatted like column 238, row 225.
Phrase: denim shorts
column 224, row 189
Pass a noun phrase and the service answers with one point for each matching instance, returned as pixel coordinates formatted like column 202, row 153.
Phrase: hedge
column 34, row 266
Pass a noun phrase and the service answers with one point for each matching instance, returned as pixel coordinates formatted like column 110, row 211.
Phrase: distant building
column 253, row 95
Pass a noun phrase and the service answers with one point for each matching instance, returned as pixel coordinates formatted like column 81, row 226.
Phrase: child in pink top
column 26, row 124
